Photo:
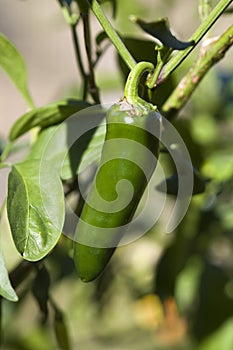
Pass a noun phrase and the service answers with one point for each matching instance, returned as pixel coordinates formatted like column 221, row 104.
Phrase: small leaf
column 35, row 207
column 161, row 31
column 100, row 38
column 6, row 290
column 13, row 64
column 53, row 113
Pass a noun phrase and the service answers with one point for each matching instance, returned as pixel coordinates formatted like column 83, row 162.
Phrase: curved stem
column 131, row 86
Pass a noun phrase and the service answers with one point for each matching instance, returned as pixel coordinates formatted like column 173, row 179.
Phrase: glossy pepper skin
column 129, row 153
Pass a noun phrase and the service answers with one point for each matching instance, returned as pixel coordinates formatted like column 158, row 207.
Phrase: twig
column 93, row 89
column 211, row 52
column 196, row 37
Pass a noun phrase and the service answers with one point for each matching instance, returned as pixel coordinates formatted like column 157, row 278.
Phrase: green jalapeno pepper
column 126, row 155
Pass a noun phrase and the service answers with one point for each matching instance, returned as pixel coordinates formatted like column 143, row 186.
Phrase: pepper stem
column 133, row 80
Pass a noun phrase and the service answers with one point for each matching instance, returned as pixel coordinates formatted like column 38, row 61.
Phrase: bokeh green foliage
column 192, row 267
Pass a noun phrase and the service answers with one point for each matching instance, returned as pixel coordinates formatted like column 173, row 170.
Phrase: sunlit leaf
column 13, row 64
column 35, row 207
column 43, row 117
column 221, row 339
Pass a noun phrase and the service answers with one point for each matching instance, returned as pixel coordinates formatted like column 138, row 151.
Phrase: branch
column 196, row 37
column 212, row 51
column 93, row 89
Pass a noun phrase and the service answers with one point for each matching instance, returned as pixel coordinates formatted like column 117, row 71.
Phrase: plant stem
column 196, row 37
column 112, row 34
column 131, row 86
column 72, row 20
column 79, row 60
column 204, row 9
column 5, row 165
column 211, row 52
column 161, row 59
column 93, row 89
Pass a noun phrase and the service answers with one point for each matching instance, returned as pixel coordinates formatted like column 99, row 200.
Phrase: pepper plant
column 70, row 137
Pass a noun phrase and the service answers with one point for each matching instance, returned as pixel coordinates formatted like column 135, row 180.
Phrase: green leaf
column 161, row 31
column 35, row 207
column 214, row 305
column 222, row 338
column 13, row 64
column 53, row 113
column 85, row 152
column 101, row 37
column 52, row 146
column 6, row 290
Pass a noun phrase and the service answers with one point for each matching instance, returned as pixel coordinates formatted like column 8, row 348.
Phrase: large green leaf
column 13, row 64
column 6, row 289
column 53, row 113
column 84, row 152
column 35, row 207
column 69, row 158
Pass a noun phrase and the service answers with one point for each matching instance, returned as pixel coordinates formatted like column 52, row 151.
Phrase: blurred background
column 163, row 291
